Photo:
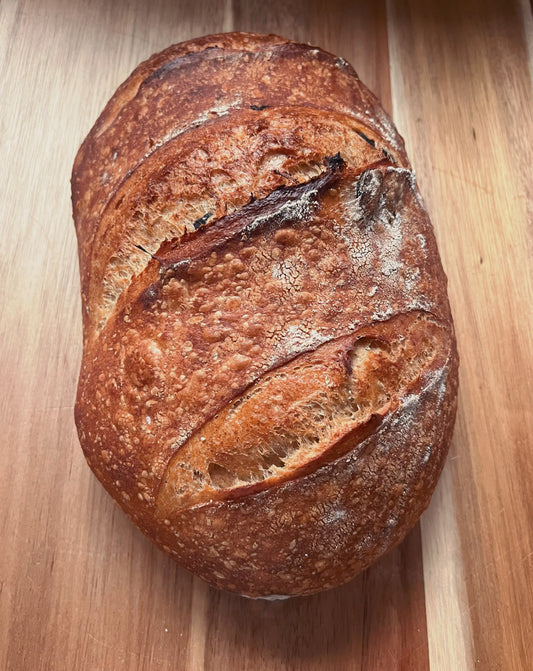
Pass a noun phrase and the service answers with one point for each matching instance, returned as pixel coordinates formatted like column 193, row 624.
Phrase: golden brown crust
column 213, row 169
column 269, row 374
column 319, row 531
column 205, row 79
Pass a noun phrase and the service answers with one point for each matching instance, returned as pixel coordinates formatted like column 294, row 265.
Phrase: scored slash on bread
column 215, row 168
column 269, row 376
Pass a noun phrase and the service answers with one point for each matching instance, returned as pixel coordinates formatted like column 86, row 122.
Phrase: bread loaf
column 269, row 375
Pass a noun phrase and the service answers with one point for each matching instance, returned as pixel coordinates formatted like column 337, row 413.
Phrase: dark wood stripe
column 375, row 622
column 395, row 633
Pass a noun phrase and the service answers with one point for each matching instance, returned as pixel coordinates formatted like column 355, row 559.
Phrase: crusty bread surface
column 269, row 374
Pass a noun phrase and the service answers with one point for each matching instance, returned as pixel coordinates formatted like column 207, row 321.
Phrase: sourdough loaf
column 269, row 374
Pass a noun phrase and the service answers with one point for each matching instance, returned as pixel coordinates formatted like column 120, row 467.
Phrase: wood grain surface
column 80, row 588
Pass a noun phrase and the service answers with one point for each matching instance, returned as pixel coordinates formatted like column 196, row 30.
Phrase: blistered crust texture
column 269, row 374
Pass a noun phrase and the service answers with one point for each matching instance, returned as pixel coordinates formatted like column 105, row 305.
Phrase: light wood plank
column 447, row 608
column 470, row 137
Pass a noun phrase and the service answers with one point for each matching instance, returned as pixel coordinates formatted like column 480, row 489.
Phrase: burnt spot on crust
column 365, row 138
column 388, row 155
column 147, row 252
column 258, row 108
column 380, row 192
column 149, row 296
column 334, row 163
column 202, row 220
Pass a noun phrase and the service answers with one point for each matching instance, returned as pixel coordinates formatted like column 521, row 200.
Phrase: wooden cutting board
column 80, row 588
